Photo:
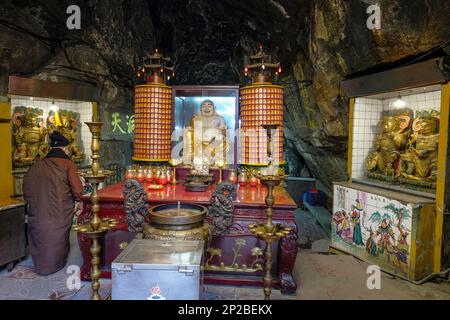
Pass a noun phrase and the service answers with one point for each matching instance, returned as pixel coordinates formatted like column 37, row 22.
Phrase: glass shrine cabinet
column 391, row 211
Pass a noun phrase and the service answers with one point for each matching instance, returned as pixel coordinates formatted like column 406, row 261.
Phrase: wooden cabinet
column 398, row 192
column 385, row 228
column 12, row 232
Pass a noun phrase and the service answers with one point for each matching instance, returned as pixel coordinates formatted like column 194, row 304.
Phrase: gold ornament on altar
column 205, row 138
column 199, row 178
column 178, row 222
column 29, row 136
column 383, row 162
column 174, row 163
column 67, row 123
column 235, row 265
column 220, row 164
column 419, row 163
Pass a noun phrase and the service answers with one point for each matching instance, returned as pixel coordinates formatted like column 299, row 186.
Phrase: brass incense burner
column 96, row 228
column 178, row 216
column 178, row 222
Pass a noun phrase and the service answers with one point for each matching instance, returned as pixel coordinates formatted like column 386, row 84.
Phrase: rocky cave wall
column 318, row 42
column 114, row 35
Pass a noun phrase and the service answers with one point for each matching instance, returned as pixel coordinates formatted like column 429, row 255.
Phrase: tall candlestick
column 95, row 117
column 269, row 232
column 96, row 228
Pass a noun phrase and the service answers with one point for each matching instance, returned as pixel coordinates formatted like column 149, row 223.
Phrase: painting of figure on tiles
column 373, row 228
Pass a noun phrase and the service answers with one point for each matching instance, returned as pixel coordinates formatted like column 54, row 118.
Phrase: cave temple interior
column 224, row 150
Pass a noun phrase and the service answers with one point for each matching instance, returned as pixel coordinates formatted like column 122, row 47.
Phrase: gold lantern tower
column 153, row 111
column 261, row 104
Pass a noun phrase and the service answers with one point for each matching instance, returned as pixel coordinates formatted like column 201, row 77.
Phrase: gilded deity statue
column 205, row 139
column 29, row 136
column 383, row 162
column 420, row 162
column 21, row 155
column 69, row 129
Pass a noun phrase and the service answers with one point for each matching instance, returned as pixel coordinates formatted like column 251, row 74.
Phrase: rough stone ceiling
column 213, row 36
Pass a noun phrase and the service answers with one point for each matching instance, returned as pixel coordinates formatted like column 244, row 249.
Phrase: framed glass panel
column 220, row 115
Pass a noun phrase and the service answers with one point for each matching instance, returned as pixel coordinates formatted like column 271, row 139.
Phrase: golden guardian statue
column 29, row 136
column 419, row 164
column 383, row 162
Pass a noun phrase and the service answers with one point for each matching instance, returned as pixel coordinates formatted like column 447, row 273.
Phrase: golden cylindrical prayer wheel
column 261, row 104
column 153, row 123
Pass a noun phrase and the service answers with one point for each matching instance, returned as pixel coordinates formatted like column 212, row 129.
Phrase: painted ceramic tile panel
column 374, row 228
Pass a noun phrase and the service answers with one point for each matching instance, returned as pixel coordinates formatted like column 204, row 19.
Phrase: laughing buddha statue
column 205, row 139
column 420, row 162
column 383, row 161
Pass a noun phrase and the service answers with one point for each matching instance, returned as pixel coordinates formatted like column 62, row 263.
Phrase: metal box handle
column 186, row 271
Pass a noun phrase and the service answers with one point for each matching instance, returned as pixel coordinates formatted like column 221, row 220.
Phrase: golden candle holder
column 220, row 164
column 174, row 163
column 269, row 232
column 96, row 228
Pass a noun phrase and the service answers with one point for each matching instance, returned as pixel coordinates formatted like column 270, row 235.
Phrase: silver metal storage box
column 158, row 270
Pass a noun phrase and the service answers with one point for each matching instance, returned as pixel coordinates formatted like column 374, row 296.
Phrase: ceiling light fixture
column 54, row 107
column 399, row 103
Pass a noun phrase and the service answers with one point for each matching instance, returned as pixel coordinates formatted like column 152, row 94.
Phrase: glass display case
column 215, row 110
column 391, row 211
column 396, row 139
column 37, row 108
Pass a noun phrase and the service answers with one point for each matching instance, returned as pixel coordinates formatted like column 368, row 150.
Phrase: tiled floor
column 22, row 283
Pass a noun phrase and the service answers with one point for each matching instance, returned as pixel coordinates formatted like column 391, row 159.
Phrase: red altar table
column 236, row 258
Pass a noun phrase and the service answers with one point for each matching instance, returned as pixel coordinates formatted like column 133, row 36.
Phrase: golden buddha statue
column 383, row 162
column 29, row 136
column 205, row 139
column 420, row 162
column 69, row 129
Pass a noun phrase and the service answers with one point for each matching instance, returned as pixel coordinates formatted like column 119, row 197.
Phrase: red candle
column 232, row 178
column 254, row 182
column 163, row 179
column 149, row 176
column 242, row 179
column 140, row 176
column 129, row 175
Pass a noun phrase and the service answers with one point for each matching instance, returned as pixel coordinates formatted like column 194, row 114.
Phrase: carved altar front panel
column 235, row 258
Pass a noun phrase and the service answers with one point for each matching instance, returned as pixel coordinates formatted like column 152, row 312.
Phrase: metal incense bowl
column 178, row 217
